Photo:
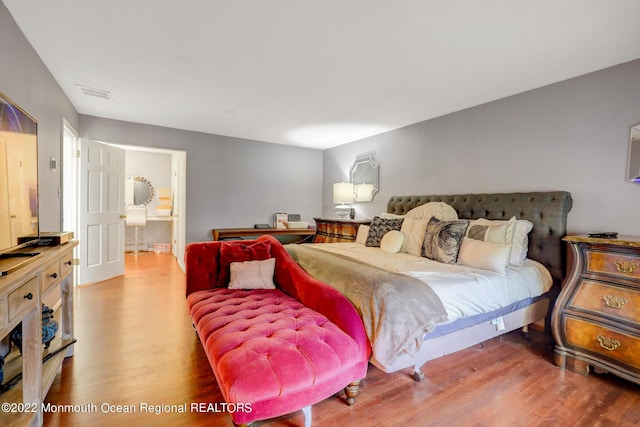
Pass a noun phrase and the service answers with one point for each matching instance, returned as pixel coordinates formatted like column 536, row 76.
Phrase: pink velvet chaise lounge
column 273, row 351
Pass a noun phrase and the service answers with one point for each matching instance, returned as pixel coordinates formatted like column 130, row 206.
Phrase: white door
column 179, row 183
column 101, row 212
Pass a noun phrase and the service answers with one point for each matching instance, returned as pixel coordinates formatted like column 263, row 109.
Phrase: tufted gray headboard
column 546, row 210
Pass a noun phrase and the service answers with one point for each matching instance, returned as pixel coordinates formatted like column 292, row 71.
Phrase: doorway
column 72, row 183
column 164, row 172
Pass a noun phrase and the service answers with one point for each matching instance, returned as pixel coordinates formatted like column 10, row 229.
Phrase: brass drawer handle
column 614, row 301
column 608, row 343
column 626, row 266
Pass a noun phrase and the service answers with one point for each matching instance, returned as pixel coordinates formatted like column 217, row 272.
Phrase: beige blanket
column 397, row 310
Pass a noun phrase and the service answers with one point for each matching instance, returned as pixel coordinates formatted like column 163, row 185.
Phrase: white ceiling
column 316, row 73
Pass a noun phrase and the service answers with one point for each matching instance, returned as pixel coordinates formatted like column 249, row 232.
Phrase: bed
column 401, row 294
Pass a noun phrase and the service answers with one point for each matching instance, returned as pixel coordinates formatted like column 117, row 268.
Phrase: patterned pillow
column 439, row 210
column 379, row 227
column 442, row 240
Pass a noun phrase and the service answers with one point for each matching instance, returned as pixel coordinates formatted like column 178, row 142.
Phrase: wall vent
column 99, row 93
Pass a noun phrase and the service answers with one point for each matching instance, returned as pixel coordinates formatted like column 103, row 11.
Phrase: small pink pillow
column 239, row 251
column 253, row 274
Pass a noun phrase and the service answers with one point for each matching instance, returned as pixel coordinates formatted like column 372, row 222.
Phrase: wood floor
column 136, row 348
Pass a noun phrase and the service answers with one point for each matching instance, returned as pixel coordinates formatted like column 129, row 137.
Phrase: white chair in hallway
column 136, row 217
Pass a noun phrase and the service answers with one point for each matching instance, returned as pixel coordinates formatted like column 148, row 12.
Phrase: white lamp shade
column 342, row 192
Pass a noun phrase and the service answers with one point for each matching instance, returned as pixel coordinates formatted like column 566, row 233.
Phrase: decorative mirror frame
column 633, row 168
column 364, row 177
column 144, row 181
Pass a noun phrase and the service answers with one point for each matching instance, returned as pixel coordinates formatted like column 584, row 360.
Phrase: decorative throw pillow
column 387, row 215
column 442, row 240
column 492, row 232
column 517, row 235
column 485, row 255
column 520, row 245
column 413, row 230
column 379, row 227
column 391, row 242
column 439, row 210
column 363, row 232
column 239, row 251
column 252, row 274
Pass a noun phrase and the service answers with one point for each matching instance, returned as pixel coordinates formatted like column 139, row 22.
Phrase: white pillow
column 413, row 230
column 521, row 241
column 492, row 231
column 440, row 210
column 387, row 215
column 518, row 235
column 363, row 232
column 392, row 241
column 485, row 255
column 252, row 274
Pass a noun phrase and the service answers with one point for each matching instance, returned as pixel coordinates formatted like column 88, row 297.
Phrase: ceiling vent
column 99, row 93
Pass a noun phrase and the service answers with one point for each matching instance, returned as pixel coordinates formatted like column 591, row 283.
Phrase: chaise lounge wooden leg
column 307, row 416
column 352, row 391
column 418, row 375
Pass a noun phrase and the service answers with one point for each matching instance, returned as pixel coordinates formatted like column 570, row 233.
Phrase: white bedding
column 464, row 291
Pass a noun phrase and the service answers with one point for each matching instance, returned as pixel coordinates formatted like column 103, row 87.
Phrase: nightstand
column 596, row 318
column 329, row 230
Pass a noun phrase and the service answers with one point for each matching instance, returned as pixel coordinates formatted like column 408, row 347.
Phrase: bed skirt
column 464, row 333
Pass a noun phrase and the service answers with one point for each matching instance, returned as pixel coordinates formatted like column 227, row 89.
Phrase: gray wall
column 231, row 182
column 26, row 80
column 573, row 136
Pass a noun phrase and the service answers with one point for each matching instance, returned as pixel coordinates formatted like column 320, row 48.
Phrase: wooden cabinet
column 285, row 235
column 596, row 318
column 329, row 230
column 22, row 291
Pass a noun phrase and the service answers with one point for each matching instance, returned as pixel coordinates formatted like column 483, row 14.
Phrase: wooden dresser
column 596, row 318
column 329, row 230
column 288, row 235
column 49, row 277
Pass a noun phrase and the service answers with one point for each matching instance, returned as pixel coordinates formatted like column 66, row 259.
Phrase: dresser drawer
column 50, row 276
column 66, row 265
column 605, row 341
column 621, row 265
column 3, row 307
column 609, row 300
column 23, row 298
column 337, row 230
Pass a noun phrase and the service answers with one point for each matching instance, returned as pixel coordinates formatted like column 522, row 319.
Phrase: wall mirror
column 140, row 191
column 633, row 170
column 364, row 177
